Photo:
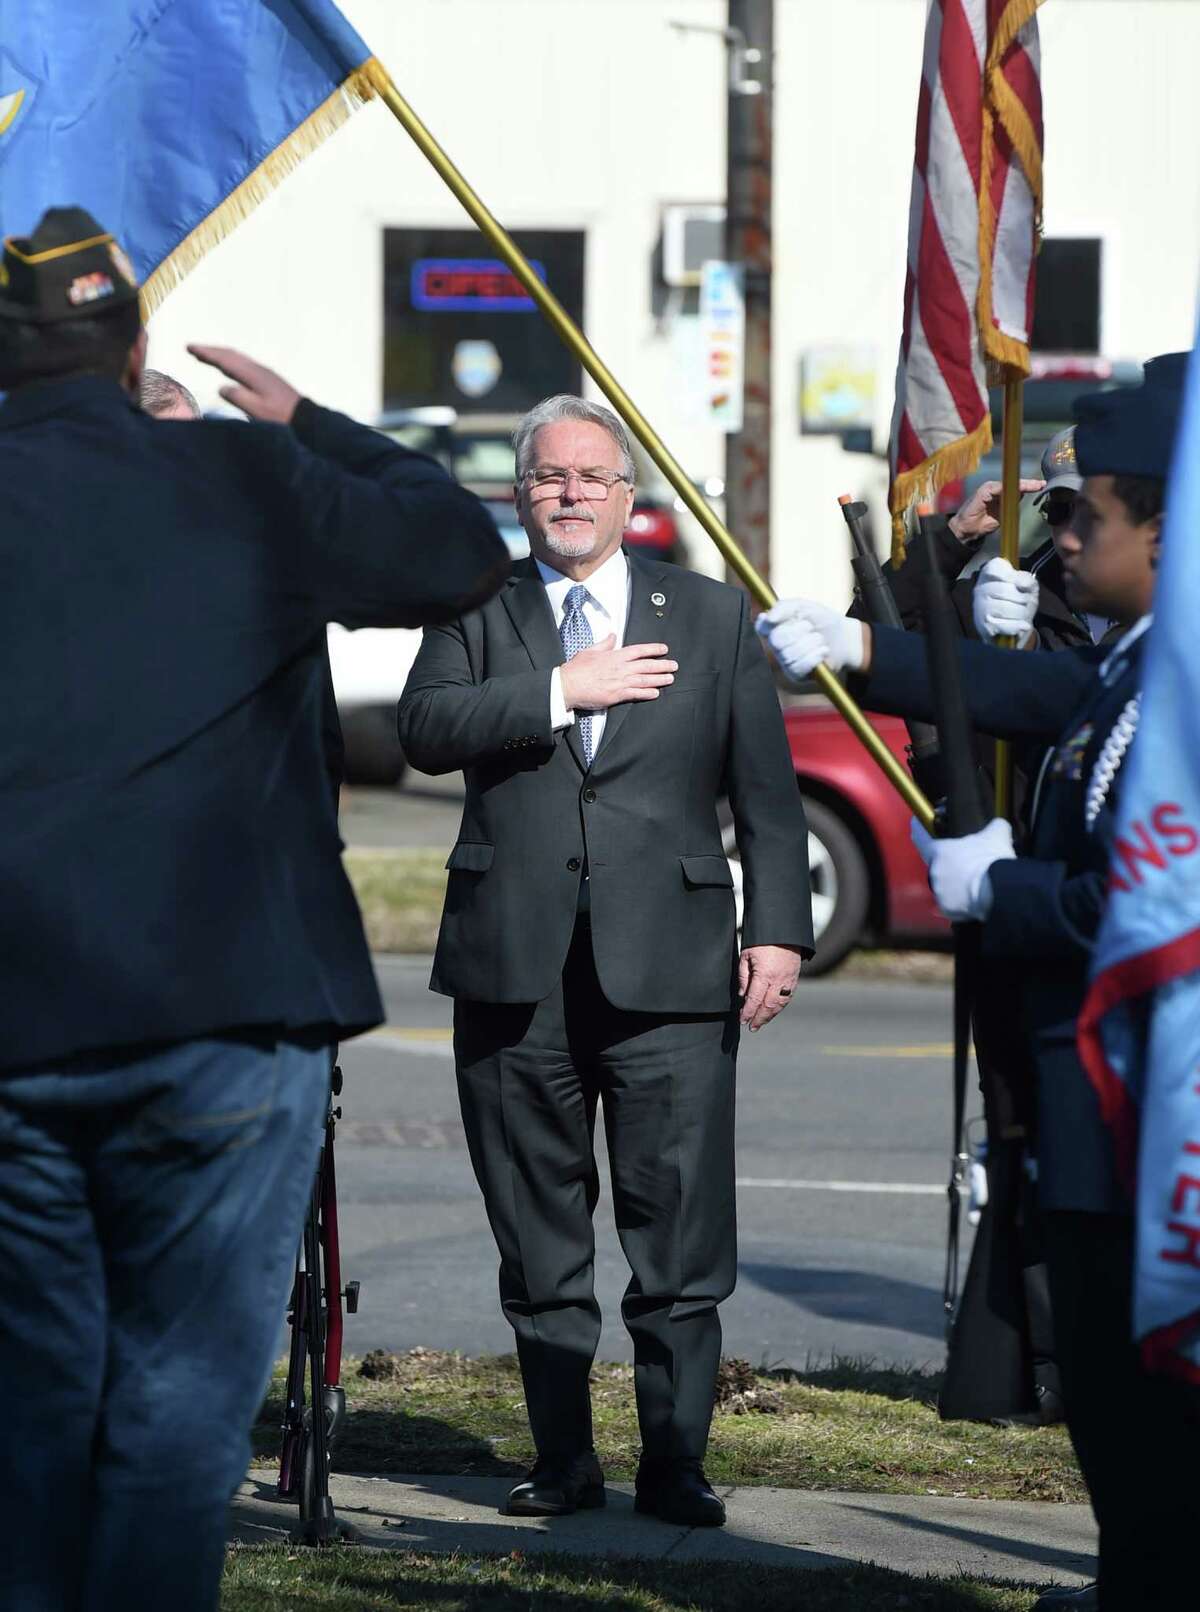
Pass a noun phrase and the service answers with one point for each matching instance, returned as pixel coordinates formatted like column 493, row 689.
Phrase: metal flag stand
column 569, row 333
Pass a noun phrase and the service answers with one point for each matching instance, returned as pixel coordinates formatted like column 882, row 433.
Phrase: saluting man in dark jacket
column 1135, row 1434
column 179, row 945
column 600, row 707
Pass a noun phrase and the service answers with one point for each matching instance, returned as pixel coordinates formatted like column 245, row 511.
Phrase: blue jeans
column 150, row 1209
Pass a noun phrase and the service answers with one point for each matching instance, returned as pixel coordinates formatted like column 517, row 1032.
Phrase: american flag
column 972, row 238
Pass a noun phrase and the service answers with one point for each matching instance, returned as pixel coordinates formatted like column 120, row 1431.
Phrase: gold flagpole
column 578, row 343
column 1010, row 545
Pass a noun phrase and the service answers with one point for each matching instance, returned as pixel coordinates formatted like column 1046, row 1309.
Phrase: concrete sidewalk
column 919, row 1534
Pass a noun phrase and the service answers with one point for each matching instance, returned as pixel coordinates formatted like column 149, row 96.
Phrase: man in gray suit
column 599, row 708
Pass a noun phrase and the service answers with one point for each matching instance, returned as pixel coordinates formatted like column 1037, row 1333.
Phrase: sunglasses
column 1057, row 512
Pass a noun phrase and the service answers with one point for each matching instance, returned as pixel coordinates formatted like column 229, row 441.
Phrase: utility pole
column 750, row 37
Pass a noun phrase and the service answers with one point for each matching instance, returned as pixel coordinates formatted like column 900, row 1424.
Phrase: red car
column 868, row 883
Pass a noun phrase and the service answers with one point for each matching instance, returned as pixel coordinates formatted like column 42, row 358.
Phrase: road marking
column 905, row 1189
column 420, row 1043
column 932, row 1049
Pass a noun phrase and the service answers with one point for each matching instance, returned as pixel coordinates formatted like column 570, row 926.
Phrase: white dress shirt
column 606, row 609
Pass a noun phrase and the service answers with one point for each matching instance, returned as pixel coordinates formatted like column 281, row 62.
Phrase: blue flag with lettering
column 1139, row 1032
column 167, row 119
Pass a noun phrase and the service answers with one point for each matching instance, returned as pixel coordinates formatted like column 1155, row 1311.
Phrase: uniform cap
column 1132, row 432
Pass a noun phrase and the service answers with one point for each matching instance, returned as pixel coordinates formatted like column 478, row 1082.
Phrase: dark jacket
column 169, row 855
column 644, row 817
column 1046, row 905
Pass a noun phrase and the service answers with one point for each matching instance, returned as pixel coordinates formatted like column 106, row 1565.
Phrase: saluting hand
column 767, row 977
column 257, row 391
column 980, row 515
column 603, row 676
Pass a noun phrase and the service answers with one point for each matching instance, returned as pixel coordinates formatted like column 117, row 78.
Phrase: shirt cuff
column 560, row 717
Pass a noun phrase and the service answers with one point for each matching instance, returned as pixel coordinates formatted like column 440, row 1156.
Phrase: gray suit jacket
column 643, row 817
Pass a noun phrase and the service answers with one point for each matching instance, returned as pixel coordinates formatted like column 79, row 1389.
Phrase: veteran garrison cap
column 69, row 268
column 1131, row 432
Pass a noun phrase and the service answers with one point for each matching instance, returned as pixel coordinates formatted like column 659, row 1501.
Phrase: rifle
column 963, row 813
column 924, row 761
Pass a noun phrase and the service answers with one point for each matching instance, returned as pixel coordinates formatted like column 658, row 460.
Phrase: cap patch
column 121, row 263
column 89, row 288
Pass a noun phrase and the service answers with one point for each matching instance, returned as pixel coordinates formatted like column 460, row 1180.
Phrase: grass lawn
column 846, row 1426
column 274, row 1578
column 400, row 893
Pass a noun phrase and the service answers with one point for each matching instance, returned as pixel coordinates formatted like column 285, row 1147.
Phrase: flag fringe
column 1001, row 101
column 325, row 120
column 924, row 481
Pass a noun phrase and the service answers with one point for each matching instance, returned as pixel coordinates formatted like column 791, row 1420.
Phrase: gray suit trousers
column 530, row 1077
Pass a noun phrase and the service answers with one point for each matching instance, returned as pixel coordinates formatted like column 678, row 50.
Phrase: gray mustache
column 583, row 514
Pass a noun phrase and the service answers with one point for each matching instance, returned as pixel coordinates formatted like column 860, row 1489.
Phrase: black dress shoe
column 556, row 1487
column 1069, row 1598
column 678, row 1491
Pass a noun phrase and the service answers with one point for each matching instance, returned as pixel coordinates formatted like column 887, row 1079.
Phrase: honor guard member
column 179, row 944
column 999, row 599
column 1134, row 1434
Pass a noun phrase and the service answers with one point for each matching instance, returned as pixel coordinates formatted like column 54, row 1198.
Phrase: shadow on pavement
column 856, row 1296
column 1080, row 1561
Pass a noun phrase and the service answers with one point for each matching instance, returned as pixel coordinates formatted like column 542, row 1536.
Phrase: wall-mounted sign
column 723, row 342
column 837, row 389
column 476, row 367
column 469, row 285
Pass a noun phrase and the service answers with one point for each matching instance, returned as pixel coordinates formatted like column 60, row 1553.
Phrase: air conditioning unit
column 691, row 235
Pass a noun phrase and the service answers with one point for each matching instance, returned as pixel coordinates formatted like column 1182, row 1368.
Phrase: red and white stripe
column 972, row 236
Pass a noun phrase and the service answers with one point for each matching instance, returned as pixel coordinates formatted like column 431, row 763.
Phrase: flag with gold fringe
column 972, row 239
column 169, row 120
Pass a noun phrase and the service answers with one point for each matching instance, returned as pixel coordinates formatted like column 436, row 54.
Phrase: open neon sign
column 469, row 285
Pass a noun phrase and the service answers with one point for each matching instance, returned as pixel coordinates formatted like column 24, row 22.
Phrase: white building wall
column 594, row 114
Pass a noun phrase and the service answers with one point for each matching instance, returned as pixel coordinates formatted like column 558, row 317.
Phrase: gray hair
column 158, row 393
column 564, row 406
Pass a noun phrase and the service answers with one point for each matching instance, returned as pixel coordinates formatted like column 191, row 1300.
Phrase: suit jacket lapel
column 526, row 602
column 643, row 626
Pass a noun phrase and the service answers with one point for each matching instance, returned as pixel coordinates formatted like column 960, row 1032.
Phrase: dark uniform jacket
column 169, row 854
column 643, row 818
column 1046, row 905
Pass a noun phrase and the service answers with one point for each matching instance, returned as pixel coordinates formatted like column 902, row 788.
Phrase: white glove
column 803, row 634
column 958, row 869
column 1005, row 602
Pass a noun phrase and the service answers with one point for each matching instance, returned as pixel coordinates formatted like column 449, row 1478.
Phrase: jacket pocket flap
column 471, row 856
column 707, row 870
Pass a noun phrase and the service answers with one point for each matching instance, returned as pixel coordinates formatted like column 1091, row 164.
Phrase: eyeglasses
column 595, row 485
column 1057, row 512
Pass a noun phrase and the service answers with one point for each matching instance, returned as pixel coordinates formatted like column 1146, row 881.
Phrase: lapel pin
column 658, row 598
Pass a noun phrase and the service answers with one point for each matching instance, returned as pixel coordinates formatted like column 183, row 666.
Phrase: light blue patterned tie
column 576, row 634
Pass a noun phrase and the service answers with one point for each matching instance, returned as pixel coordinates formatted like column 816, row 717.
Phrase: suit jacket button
column 573, row 864
column 589, row 795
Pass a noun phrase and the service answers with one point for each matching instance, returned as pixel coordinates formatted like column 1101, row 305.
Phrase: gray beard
column 570, row 548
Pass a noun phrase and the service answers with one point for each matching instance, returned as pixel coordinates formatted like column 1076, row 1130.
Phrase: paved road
column 423, row 812
column 842, row 1140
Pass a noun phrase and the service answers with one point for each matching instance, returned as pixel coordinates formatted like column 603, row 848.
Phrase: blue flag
column 1139, row 1033
column 167, row 119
